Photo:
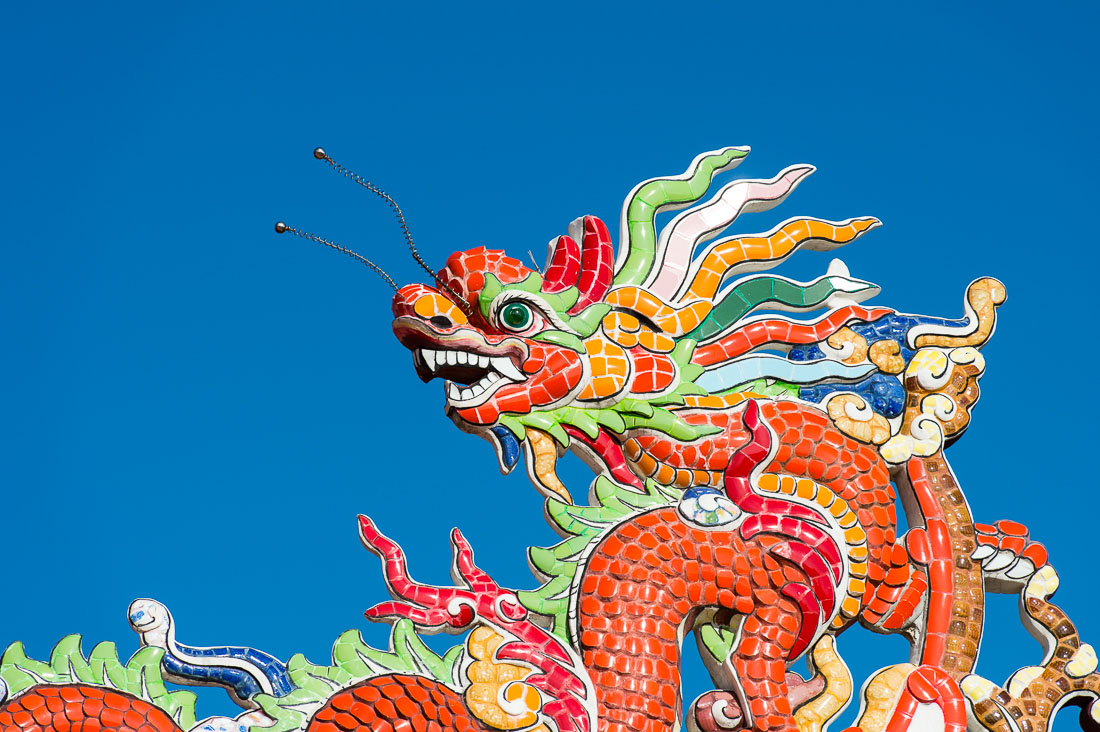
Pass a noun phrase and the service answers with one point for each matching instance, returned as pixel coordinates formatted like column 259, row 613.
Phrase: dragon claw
column 1007, row 555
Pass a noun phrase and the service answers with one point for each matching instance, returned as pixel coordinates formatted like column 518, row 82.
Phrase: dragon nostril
column 440, row 321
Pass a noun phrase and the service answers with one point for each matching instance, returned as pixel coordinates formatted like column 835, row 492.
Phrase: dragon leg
column 761, row 663
column 644, row 584
column 902, row 588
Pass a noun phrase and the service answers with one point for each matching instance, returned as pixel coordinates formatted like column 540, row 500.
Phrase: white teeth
column 484, row 388
column 504, row 365
column 499, row 372
column 497, row 365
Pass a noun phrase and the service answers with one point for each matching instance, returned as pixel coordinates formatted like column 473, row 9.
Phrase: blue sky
column 197, row 408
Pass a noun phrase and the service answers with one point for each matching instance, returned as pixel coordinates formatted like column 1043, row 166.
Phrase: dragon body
column 749, row 467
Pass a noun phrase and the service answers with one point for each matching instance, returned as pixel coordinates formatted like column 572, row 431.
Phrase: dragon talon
column 1001, row 560
column 983, row 552
column 1022, row 569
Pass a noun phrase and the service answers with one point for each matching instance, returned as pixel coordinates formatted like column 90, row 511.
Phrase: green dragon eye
column 515, row 316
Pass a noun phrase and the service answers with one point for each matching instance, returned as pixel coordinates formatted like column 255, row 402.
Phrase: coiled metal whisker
column 354, row 177
column 282, row 228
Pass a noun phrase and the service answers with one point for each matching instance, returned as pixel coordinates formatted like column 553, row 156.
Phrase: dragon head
column 505, row 338
column 591, row 348
column 600, row 349
column 526, row 354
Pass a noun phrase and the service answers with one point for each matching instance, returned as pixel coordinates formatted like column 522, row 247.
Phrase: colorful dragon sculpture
column 748, row 469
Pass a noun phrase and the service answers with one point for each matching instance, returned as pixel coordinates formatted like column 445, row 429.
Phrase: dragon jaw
column 473, row 368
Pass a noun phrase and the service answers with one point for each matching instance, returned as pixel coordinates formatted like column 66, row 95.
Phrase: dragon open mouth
column 472, row 377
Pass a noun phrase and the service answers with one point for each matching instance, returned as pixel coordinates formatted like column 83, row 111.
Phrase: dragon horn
column 563, row 264
column 596, row 261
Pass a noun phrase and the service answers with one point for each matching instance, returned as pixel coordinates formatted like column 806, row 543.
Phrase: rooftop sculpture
column 749, row 467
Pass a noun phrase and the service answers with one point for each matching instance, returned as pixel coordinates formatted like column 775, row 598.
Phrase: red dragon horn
column 596, row 261
column 563, row 264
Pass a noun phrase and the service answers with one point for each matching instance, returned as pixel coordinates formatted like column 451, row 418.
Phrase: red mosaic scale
column 809, row 446
column 82, row 708
column 392, row 703
column 646, row 577
column 396, row 703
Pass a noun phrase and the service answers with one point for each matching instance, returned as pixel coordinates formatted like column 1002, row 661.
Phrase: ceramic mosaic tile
column 749, row 472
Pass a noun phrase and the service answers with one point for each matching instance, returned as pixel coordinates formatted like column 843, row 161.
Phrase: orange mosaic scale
column 392, row 703
column 644, row 465
column 652, row 372
column 610, row 369
column 396, row 703
column 644, row 579
column 82, row 708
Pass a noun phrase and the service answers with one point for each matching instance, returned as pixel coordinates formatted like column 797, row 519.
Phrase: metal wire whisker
column 351, row 175
column 282, row 228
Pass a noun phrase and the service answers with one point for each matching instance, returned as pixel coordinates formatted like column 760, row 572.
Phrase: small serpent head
column 151, row 620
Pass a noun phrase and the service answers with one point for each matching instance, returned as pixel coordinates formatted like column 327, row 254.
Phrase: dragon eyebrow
column 644, row 320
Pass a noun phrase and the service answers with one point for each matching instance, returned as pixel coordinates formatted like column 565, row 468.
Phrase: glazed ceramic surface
column 749, row 466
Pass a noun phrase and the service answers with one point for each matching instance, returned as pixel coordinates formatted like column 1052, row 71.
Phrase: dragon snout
column 446, row 346
column 427, row 304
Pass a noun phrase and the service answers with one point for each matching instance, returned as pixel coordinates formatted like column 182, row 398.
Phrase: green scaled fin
column 354, row 661
column 583, row 526
column 140, row 676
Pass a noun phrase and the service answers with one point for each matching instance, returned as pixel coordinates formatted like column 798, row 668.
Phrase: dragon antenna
column 281, row 228
column 320, row 154
column 534, row 262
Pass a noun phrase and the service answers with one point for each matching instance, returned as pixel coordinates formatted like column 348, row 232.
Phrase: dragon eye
column 516, row 316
